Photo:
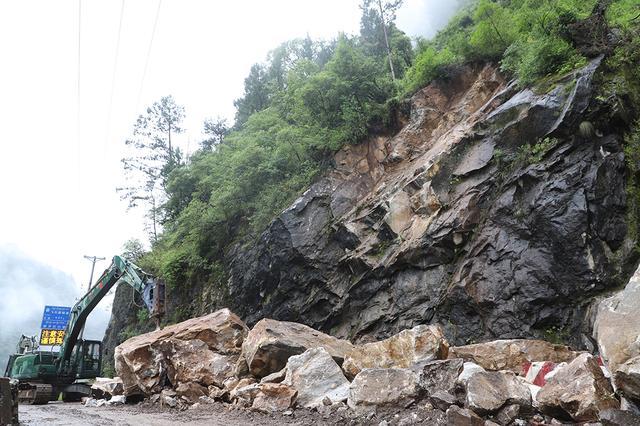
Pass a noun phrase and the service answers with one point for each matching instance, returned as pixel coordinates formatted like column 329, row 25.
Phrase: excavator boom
column 120, row 270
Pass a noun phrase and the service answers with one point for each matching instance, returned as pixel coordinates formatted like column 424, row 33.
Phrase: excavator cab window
column 86, row 359
column 91, row 359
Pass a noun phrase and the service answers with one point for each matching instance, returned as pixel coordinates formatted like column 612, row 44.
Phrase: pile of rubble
column 282, row 366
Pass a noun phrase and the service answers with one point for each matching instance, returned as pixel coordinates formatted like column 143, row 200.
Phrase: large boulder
column 317, row 378
column 617, row 325
column 372, row 387
column 271, row 343
column 578, row 391
column 196, row 350
column 627, row 379
column 406, row 349
column 489, row 391
column 192, row 361
column 512, row 354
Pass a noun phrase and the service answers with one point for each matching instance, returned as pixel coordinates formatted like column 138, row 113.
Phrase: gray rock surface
column 578, row 391
column 407, row 349
column 455, row 220
column 512, row 354
column 457, row 416
column 379, row 387
column 271, row 343
column 488, row 392
column 317, row 378
column 613, row 417
column 440, row 375
column 627, row 379
column 617, row 325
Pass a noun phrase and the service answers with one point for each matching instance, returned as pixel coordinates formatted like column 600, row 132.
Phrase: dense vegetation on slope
column 311, row 97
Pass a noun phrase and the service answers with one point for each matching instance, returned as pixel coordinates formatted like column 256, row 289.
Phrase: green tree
column 133, row 250
column 376, row 14
column 216, row 130
column 153, row 157
column 255, row 97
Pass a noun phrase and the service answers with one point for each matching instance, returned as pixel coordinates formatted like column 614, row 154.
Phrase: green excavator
column 44, row 375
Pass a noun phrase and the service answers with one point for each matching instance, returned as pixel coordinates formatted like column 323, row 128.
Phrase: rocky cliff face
column 495, row 212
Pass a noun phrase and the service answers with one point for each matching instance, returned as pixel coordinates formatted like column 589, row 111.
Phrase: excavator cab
column 87, row 359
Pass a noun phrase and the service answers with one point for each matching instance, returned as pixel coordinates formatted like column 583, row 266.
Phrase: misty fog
column 26, row 286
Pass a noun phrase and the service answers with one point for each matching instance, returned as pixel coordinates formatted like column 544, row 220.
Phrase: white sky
column 57, row 192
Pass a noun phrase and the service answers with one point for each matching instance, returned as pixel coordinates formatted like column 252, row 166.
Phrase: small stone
column 276, row 377
column 191, row 392
column 117, row 400
column 613, row 417
column 508, row 414
column 457, row 416
column 327, row 401
column 217, row 393
column 442, row 400
column 272, row 397
column 207, row 400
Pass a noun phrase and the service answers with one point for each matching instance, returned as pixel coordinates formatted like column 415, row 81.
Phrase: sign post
column 54, row 323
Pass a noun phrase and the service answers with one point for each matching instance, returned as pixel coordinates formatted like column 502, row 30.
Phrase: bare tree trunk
column 386, row 40
column 153, row 219
column 170, row 149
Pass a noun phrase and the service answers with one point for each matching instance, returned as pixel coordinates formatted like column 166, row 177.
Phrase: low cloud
column 425, row 18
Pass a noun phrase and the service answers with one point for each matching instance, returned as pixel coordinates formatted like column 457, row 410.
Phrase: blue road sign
column 55, row 317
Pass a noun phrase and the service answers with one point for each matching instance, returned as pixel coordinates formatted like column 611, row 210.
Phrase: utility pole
column 93, row 260
column 386, row 40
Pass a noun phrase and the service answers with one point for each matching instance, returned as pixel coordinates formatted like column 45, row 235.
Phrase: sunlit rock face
column 487, row 213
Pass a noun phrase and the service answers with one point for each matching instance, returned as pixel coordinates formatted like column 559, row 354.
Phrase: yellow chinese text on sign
column 51, row 337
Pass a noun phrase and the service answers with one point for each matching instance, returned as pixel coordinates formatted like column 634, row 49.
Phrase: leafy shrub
column 533, row 58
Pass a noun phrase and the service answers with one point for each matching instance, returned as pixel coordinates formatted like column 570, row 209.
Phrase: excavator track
column 34, row 393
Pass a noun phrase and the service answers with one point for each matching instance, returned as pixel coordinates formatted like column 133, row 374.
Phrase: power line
column 78, row 85
column 146, row 63
column 113, row 76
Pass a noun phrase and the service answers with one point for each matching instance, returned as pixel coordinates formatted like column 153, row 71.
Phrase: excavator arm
column 121, row 270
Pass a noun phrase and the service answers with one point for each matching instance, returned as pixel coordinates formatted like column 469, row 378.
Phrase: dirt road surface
column 76, row 414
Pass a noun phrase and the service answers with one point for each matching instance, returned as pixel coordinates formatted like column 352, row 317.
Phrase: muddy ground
column 76, row 414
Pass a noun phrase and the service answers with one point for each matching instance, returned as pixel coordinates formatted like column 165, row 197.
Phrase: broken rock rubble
column 289, row 365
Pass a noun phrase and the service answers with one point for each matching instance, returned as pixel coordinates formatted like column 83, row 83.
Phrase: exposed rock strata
column 487, row 213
